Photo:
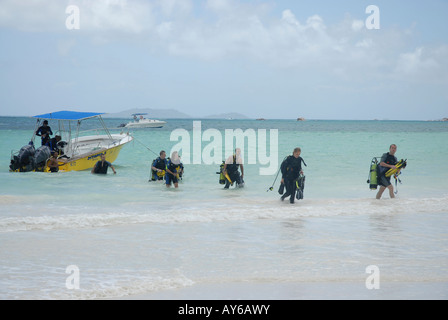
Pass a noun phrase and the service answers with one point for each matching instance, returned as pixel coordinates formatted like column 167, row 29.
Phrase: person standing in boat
column 44, row 132
column 102, row 166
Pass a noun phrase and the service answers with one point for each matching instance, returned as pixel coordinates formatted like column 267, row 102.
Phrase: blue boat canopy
column 68, row 115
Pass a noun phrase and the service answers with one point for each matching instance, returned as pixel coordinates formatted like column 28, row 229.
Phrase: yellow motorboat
column 77, row 150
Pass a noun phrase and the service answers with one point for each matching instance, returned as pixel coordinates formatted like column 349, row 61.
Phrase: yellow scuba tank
column 373, row 174
column 222, row 179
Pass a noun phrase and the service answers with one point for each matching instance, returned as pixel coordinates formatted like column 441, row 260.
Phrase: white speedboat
column 141, row 122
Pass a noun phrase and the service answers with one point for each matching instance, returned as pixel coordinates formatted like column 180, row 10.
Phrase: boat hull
column 145, row 123
column 88, row 152
column 88, row 161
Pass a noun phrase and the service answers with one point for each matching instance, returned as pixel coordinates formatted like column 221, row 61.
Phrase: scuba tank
column 222, row 178
column 373, row 174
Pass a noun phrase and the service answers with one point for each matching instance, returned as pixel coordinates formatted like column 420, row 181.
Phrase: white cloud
column 236, row 29
column 424, row 64
column 358, row 25
column 32, row 16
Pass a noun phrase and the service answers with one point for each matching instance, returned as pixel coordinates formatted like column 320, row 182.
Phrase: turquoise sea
column 127, row 236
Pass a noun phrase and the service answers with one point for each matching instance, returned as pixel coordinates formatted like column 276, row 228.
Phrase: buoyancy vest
column 291, row 167
column 390, row 159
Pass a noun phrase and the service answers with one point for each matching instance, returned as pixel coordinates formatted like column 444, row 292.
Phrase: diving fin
column 281, row 189
column 400, row 165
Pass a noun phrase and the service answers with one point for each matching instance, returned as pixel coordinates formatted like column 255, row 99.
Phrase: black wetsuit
column 291, row 168
column 171, row 178
column 44, row 132
column 159, row 164
column 382, row 179
column 234, row 174
column 52, row 144
column 101, row 167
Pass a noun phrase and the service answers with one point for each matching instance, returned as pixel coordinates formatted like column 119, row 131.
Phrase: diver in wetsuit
column 158, row 167
column 44, row 132
column 102, row 166
column 388, row 161
column 53, row 143
column 291, row 169
column 231, row 166
column 173, row 169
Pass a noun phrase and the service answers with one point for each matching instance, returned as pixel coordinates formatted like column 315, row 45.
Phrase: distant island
column 229, row 116
column 170, row 114
column 151, row 113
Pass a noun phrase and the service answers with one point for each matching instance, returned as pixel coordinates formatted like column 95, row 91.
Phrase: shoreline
column 300, row 291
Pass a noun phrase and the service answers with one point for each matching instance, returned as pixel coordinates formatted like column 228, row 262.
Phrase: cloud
column 229, row 29
column 424, row 64
column 32, row 16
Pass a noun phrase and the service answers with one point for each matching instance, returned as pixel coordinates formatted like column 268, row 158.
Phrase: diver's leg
column 391, row 191
column 293, row 192
column 288, row 190
column 380, row 192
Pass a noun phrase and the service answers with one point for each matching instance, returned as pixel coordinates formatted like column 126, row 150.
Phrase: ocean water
column 126, row 236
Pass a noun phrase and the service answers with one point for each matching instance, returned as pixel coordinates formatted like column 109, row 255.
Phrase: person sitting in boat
column 102, row 166
column 173, row 170
column 158, row 167
column 53, row 143
column 44, row 132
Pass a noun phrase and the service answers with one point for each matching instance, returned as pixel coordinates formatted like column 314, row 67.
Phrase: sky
column 273, row 59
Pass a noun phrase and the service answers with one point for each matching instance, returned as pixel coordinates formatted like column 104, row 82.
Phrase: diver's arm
column 385, row 165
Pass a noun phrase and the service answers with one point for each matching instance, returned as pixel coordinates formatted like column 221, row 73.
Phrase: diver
column 173, row 170
column 158, row 167
column 102, row 166
column 291, row 169
column 230, row 170
column 53, row 143
column 53, row 163
column 44, row 132
column 388, row 161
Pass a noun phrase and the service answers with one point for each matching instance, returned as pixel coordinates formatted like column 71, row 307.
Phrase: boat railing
column 101, row 131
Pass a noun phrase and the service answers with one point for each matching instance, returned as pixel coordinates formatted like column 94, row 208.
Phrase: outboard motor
column 41, row 156
column 24, row 160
